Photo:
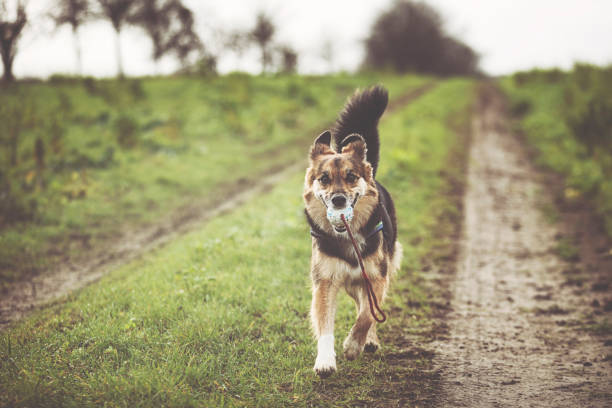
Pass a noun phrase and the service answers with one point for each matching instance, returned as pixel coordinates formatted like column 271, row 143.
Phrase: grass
column 567, row 251
column 121, row 154
column 219, row 317
column 567, row 118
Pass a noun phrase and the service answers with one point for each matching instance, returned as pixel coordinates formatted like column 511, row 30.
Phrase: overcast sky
column 509, row 35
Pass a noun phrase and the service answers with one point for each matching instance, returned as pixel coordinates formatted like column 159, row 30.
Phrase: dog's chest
column 345, row 266
column 341, row 248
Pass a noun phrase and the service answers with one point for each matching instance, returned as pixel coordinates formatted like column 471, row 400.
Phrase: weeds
column 127, row 131
column 220, row 316
column 87, row 154
column 579, row 146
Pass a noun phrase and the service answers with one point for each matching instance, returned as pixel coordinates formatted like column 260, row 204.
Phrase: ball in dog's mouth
column 334, row 217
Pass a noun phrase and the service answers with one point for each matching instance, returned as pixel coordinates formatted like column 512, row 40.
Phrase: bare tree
column 10, row 30
column 169, row 24
column 74, row 13
column 118, row 12
column 262, row 35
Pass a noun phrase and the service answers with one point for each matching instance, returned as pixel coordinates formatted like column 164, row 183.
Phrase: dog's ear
column 321, row 145
column 354, row 144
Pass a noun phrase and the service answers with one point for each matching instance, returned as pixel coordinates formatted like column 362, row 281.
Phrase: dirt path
column 515, row 337
column 36, row 291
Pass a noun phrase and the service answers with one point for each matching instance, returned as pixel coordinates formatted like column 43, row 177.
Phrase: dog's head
column 337, row 179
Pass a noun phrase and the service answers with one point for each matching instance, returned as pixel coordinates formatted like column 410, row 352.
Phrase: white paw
column 325, row 364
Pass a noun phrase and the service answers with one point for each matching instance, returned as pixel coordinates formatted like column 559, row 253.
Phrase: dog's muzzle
column 334, row 213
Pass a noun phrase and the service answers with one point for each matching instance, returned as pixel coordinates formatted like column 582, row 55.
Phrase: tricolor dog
column 340, row 179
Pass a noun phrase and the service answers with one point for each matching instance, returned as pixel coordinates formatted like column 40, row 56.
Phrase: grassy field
column 219, row 317
column 567, row 118
column 82, row 161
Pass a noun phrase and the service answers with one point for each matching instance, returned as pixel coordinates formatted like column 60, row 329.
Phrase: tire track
column 510, row 344
column 28, row 294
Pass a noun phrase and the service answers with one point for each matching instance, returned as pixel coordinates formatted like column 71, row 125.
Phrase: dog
column 341, row 173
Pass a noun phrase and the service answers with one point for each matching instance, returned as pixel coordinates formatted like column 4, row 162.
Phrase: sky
column 509, row 35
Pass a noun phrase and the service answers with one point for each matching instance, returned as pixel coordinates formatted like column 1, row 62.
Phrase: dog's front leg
column 323, row 312
column 364, row 328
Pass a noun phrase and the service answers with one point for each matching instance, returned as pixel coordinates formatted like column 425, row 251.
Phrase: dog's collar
column 379, row 227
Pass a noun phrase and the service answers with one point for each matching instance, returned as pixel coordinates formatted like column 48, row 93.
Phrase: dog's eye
column 324, row 179
column 351, row 178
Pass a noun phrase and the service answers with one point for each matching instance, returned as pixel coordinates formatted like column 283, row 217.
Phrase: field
column 84, row 162
column 504, row 201
column 219, row 316
column 567, row 118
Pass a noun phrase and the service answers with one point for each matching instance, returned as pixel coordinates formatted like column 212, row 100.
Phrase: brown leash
column 371, row 295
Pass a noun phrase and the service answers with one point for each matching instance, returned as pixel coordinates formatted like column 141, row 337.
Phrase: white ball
column 333, row 215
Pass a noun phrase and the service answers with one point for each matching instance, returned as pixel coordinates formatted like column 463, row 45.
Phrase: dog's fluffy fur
column 342, row 172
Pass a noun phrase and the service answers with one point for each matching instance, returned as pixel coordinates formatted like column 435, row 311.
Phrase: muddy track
column 518, row 332
column 73, row 274
column 45, row 287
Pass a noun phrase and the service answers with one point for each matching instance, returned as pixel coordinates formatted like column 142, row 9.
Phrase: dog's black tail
column 360, row 115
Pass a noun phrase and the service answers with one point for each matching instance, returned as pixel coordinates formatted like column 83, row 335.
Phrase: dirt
column 521, row 319
column 94, row 262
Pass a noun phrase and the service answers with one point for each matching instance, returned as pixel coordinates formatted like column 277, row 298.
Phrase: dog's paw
column 352, row 349
column 325, row 372
column 325, row 367
column 372, row 343
column 325, row 364
column 371, row 347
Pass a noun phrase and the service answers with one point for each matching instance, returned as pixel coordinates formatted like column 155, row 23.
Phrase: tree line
column 409, row 37
column 169, row 24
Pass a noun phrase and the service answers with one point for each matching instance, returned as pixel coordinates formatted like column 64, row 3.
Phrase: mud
column 520, row 332
column 73, row 274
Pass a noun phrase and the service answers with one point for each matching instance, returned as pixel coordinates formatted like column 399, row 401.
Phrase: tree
column 73, row 13
column 10, row 30
column 457, row 59
column 289, row 59
column 118, row 12
column 159, row 19
column 410, row 37
column 262, row 35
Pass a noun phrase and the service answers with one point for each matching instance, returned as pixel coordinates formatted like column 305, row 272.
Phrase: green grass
column 567, row 118
column 123, row 154
column 219, row 317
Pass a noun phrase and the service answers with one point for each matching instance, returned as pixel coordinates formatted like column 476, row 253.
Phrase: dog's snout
column 339, row 201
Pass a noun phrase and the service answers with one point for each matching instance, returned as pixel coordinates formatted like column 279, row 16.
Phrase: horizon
column 559, row 34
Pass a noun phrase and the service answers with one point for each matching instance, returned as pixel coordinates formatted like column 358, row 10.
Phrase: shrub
column 127, row 131
column 136, row 90
column 16, row 204
column 520, row 107
column 89, row 83
column 592, row 122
